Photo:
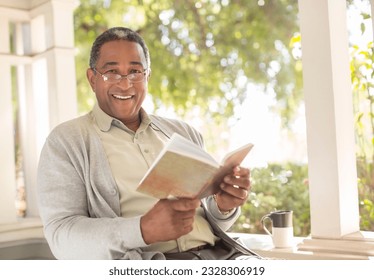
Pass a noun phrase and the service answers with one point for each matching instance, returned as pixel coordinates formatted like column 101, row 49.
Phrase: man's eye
column 111, row 71
column 134, row 71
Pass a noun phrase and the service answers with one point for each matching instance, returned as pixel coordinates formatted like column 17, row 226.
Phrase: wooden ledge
column 360, row 244
column 353, row 247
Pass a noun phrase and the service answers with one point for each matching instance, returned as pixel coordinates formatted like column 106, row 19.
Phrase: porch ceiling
column 21, row 4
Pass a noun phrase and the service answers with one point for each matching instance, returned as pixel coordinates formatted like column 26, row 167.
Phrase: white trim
column 21, row 4
column 14, row 15
column 12, row 59
column 346, row 246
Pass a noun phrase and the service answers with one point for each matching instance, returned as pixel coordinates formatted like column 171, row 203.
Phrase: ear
column 91, row 77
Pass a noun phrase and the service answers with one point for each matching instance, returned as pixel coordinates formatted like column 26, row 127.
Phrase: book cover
column 184, row 169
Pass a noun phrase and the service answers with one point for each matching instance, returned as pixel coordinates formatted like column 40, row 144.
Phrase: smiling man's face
column 121, row 100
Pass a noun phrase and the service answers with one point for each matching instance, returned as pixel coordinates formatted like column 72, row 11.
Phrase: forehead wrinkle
column 110, row 63
column 137, row 63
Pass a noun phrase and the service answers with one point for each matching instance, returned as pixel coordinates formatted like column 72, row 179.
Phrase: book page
column 237, row 156
column 176, row 176
column 231, row 160
column 180, row 145
column 186, row 147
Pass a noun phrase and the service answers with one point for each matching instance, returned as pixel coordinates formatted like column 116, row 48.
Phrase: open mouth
column 120, row 97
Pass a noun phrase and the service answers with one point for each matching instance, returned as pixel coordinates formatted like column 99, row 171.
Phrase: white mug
column 282, row 229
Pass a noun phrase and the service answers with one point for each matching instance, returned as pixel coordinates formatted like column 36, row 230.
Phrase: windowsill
column 24, row 240
column 25, row 228
column 358, row 246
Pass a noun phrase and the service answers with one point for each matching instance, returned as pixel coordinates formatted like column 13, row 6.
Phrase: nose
column 124, row 83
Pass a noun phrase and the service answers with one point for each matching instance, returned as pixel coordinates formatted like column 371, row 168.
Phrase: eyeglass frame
column 106, row 79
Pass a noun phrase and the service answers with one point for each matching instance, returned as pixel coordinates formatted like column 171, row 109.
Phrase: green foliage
column 204, row 53
column 363, row 95
column 366, row 193
column 277, row 187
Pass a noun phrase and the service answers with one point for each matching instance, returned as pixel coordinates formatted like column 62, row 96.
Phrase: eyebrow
column 114, row 63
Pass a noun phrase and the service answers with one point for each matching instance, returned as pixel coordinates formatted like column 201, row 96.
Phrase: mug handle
column 263, row 223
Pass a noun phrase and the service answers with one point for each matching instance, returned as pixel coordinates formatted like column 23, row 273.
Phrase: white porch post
column 329, row 117
column 58, row 53
column 53, row 82
column 7, row 163
column 43, row 55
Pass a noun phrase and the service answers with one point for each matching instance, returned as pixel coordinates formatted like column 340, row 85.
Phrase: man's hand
column 234, row 189
column 168, row 220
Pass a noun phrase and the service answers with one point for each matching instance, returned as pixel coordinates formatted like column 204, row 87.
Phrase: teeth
column 122, row 97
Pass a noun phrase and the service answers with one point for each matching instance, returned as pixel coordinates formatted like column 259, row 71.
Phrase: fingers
column 234, row 189
column 237, row 183
column 185, row 204
column 236, row 192
column 241, row 171
column 184, row 213
column 168, row 220
column 187, row 224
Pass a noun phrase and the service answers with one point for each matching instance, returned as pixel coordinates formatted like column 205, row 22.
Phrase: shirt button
column 146, row 151
column 113, row 191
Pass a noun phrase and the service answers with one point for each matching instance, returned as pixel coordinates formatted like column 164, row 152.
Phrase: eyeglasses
column 113, row 78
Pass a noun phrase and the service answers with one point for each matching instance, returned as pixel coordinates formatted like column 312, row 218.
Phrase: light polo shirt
column 130, row 154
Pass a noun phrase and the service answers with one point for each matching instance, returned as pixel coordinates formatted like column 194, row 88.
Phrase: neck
column 133, row 124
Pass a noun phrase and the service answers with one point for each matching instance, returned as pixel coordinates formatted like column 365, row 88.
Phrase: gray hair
column 113, row 34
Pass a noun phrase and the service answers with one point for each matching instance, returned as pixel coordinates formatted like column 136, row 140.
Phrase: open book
column 184, row 169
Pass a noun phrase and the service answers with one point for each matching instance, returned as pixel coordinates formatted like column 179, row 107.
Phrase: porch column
column 58, row 54
column 42, row 54
column 52, row 98
column 7, row 162
column 329, row 117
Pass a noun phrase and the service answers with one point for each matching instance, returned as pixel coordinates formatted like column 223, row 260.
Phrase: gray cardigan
column 79, row 200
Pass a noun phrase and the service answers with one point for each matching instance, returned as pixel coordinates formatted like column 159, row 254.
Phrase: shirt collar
column 104, row 121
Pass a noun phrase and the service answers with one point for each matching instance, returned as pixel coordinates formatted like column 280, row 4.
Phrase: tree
column 204, row 52
column 363, row 92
